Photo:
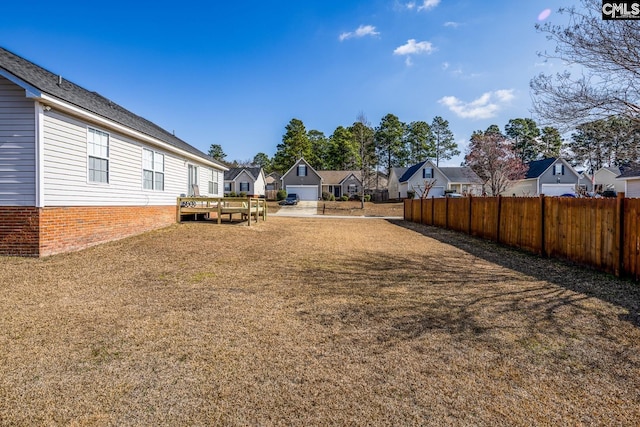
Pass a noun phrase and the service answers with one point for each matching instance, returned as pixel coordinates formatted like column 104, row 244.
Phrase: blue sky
column 235, row 73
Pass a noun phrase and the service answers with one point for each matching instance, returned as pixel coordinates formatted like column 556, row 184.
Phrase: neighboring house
column 303, row 180
column 245, row 180
column 631, row 179
column 341, row 183
column 444, row 179
column 273, row 181
column 393, row 183
column 551, row 177
column 605, row 179
column 77, row 169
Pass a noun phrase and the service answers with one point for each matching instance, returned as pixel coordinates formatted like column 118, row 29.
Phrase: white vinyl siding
column 633, row 188
column 65, row 169
column 17, row 146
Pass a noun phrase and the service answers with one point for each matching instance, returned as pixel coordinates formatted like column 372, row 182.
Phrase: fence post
column 433, row 210
column 446, row 213
column 498, row 218
column 542, row 230
column 470, row 212
column 619, row 235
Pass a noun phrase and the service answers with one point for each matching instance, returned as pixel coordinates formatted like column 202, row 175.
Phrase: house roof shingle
column 409, row 172
column 462, row 174
column 55, row 86
column 233, row 173
column 336, row 177
column 537, row 167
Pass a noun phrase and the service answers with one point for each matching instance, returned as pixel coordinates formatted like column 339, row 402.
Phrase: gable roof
column 233, row 173
column 336, row 177
column 537, row 167
column 411, row 171
column 631, row 171
column 302, row 160
column 462, row 174
column 54, row 85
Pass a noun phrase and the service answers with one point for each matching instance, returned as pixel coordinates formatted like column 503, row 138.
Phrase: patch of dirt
column 312, row 321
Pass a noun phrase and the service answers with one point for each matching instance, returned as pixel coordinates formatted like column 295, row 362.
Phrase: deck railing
column 216, row 207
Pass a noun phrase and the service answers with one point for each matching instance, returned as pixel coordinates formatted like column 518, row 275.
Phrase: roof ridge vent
column 59, row 80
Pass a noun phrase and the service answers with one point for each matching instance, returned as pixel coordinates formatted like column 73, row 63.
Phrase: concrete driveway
column 303, row 208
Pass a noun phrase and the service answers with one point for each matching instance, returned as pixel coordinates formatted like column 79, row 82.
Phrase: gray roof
column 51, row 84
column 233, row 173
column 463, row 174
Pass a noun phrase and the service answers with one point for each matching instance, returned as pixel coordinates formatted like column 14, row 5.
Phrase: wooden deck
column 217, row 207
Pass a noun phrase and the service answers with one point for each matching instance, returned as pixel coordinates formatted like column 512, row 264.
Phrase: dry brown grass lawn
column 314, row 322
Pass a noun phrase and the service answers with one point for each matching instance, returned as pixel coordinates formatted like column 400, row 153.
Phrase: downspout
column 39, row 154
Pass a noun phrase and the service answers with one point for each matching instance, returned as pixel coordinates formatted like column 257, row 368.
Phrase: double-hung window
column 244, row 186
column 98, row 156
column 213, row 182
column 558, row 169
column 427, row 173
column 152, row 170
column 302, row 170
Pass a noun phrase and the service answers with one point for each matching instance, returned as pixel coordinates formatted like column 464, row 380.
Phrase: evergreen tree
column 390, row 143
column 421, row 142
column 295, row 144
column 524, row 133
column 445, row 145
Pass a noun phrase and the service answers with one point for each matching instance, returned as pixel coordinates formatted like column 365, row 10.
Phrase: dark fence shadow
column 606, row 287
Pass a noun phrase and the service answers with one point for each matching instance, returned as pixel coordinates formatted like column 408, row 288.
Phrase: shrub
column 281, row 195
column 326, row 196
column 233, row 194
column 411, row 194
column 344, row 198
column 242, row 194
column 355, row 197
column 367, row 197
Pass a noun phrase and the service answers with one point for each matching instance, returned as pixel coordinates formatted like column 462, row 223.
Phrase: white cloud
column 362, row 31
column 428, row 4
column 412, row 5
column 445, row 65
column 485, row 107
column 452, row 24
column 408, row 62
column 412, row 47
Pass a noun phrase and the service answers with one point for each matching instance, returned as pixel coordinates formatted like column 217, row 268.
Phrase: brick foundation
column 19, row 231
column 49, row 231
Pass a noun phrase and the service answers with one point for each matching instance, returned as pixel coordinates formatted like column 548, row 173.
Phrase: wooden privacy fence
column 603, row 233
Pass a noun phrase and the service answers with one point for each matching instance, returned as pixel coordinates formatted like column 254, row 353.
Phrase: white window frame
column 302, row 168
column 99, row 152
column 213, row 182
column 558, row 169
column 156, row 168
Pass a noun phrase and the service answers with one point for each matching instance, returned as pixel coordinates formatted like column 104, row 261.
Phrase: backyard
column 314, row 322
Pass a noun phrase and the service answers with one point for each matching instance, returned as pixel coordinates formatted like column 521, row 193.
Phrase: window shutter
column 424, row 173
column 562, row 169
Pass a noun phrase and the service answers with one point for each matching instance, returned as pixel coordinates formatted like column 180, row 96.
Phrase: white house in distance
column 76, row 169
column 249, row 180
column 605, row 179
column 631, row 179
column 460, row 179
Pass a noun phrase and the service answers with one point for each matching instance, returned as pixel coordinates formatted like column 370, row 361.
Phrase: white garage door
column 558, row 189
column 304, row 192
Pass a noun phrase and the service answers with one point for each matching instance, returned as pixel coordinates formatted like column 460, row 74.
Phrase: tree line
column 393, row 143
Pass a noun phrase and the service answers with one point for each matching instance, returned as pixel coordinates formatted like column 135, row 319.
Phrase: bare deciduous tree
column 608, row 84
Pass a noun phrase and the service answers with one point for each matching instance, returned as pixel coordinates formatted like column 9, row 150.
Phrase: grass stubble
column 302, row 321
